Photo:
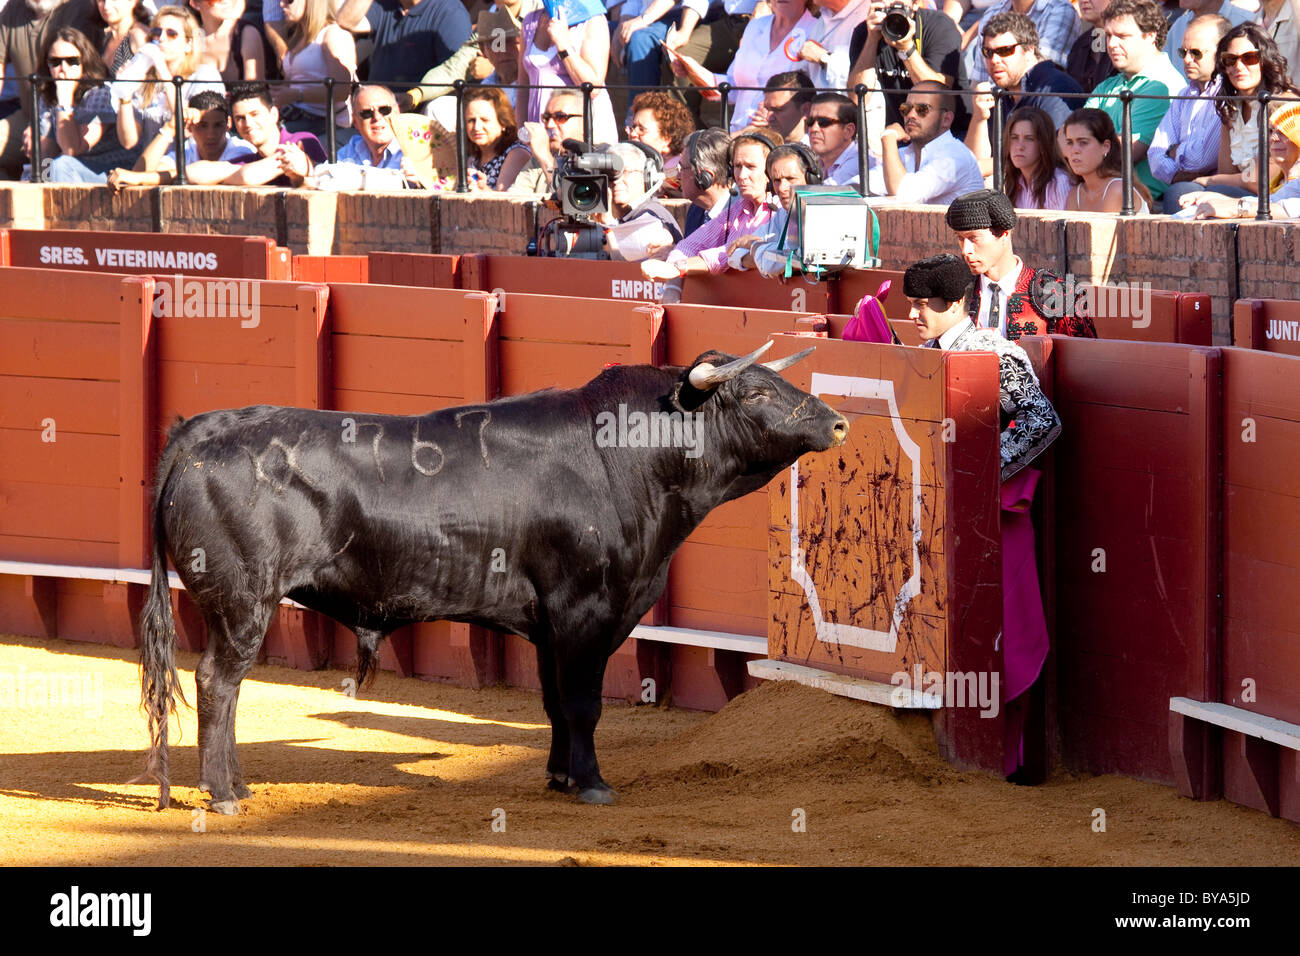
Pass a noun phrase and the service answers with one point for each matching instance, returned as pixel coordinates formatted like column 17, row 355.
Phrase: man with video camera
column 906, row 45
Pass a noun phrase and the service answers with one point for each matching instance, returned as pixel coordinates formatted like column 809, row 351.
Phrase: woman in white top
column 1032, row 174
column 317, row 48
column 144, row 90
column 1092, row 152
column 123, row 34
column 231, row 42
column 769, row 45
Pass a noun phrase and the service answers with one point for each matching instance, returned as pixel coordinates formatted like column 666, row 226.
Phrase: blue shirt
column 356, row 151
column 409, row 46
column 1187, row 139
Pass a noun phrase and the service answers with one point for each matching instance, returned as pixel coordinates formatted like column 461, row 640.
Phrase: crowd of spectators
column 790, row 68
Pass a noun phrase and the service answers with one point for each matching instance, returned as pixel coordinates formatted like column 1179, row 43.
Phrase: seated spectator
column 409, row 37
column 496, row 156
column 231, row 41
column 1247, row 61
column 207, row 137
column 762, row 55
column 375, row 143
column 786, row 100
column 716, row 40
column 279, row 158
column 125, row 29
column 559, row 53
column 1010, row 297
column 935, row 167
column 561, row 120
column 935, row 289
column 930, row 51
column 660, row 121
column 827, row 48
column 788, row 167
column 1280, row 19
column 833, row 137
column 497, row 62
column 1055, row 20
column 144, row 87
column 706, row 249
column 1135, row 35
column 1089, row 63
column 1284, row 177
column 77, row 124
column 645, row 27
column 1092, row 152
column 317, row 48
column 639, row 227
column 1033, row 173
column 1176, row 41
column 705, row 171
column 1186, row 144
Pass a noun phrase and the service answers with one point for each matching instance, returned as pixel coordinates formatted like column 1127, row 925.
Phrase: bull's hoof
column 602, row 796
column 241, row 791
column 560, row 783
column 227, row 808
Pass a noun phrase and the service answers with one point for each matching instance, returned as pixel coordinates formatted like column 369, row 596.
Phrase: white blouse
column 755, row 63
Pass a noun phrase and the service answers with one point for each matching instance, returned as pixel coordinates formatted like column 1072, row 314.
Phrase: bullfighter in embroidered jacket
column 1011, row 297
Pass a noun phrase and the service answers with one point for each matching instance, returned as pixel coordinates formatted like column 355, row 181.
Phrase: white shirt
column 1283, row 32
column 1006, row 286
column 844, row 171
column 946, row 340
column 733, row 7
column 755, row 64
column 833, row 32
column 947, row 170
column 234, row 147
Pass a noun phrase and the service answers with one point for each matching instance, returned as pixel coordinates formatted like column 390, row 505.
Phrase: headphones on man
column 753, row 137
column 703, row 177
column 812, row 167
column 654, row 166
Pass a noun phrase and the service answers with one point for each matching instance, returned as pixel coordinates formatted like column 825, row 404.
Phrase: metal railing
column 588, row 91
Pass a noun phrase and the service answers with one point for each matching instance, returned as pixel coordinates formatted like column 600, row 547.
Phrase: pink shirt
column 741, row 218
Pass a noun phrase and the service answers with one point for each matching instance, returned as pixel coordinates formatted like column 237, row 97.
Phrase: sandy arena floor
column 414, row 772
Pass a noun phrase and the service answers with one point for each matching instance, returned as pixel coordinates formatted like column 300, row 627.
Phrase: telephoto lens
column 897, row 22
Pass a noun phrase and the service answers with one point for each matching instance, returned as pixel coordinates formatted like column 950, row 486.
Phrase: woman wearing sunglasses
column 1246, row 62
column 496, row 155
column 317, row 48
column 144, row 89
column 232, row 42
column 1033, row 173
column 1092, row 152
column 125, row 25
column 78, row 129
column 1284, row 176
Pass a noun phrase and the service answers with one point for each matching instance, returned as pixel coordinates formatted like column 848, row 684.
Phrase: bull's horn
column 706, row 375
column 780, row 365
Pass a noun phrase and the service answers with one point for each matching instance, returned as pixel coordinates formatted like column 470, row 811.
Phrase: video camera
column 898, row 21
column 582, row 187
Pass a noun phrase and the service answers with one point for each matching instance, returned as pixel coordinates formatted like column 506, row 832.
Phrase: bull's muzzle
column 839, row 431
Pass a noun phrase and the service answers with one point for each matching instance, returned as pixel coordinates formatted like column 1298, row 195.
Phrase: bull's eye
column 756, row 396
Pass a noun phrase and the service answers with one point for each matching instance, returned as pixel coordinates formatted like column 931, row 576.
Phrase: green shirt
column 1157, row 78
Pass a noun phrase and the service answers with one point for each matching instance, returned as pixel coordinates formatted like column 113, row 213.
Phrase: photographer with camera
column 906, row 45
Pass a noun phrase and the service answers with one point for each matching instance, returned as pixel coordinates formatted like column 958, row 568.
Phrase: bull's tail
column 159, row 682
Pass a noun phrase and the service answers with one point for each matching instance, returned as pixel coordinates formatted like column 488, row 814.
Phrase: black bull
column 530, row 514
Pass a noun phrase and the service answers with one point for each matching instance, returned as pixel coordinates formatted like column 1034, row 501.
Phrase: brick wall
column 490, row 223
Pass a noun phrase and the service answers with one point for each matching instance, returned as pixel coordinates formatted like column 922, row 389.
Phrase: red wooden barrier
column 421, row 269
column 331, row 269
column 145, row 253
column 1269, row 324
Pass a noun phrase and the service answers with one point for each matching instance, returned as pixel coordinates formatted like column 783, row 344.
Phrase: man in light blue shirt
column 375, row 143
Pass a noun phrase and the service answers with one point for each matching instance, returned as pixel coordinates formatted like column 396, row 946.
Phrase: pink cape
column 1024, row 627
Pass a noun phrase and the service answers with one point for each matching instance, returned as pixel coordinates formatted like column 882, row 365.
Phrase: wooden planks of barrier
column 874, row 573
column 420, row 269
column 145, row 253
column 1137, row 546
column 1269, row 324
column 331, row 269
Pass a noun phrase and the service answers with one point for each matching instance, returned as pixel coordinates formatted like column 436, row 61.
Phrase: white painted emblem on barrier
column 828, row 631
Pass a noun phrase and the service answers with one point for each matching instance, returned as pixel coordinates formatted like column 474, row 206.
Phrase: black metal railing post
column 462, row 140
column 995, row 137
column 587, row 131
column 178, row 138
column 331, row 137
column 1261, row 162
column 1126, row 151
column 864, row 164
column 725, row 90
column 38, row 175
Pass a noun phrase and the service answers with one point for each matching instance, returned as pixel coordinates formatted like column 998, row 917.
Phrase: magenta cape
column 1024, row 628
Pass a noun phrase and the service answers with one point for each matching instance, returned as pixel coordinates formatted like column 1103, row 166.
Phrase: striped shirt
column 1187, row 139
column 741, row 217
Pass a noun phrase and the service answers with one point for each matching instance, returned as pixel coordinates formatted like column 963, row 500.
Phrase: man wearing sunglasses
column 1055, row 20
column 1135, row 36
column 375, row 144
column 561, row 119
column 922, row 161
column 1195, row 10
column 1186, row 143
column 833, row 138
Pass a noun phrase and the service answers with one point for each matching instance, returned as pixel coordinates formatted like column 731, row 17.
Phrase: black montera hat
column 944, row 277
column 982, row 209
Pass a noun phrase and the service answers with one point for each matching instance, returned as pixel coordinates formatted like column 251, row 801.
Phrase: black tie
column 995, row 307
